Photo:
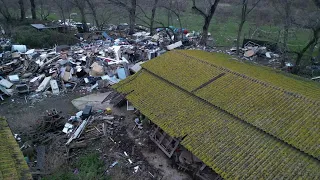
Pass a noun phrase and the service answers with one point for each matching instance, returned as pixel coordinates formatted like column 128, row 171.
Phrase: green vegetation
column 41, row 39
column 224, row 30
column 88, row 167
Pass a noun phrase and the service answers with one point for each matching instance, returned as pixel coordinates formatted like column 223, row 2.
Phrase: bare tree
column 317, row 58
column 284, row 9
column 308, row 20
column 314, row 40
column 45, row 9
column 22, row 10
column 169, row 13
column 175, row 7
column 81, row 5
column 153, row 14
column 33, row 9
column 4, row 10
column 61, row 4
column 131, row 9
column 244, row 14
column 93, row 7
column 207, row 18
column 104, row 16
column 317, row 3
column 150, row 19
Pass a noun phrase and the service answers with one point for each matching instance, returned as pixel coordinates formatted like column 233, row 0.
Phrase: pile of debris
column 94, row 63
column 88, row 130
column 264, row 52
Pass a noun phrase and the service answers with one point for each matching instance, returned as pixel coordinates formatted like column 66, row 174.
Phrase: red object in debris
column 185, row 31
column 107, row 60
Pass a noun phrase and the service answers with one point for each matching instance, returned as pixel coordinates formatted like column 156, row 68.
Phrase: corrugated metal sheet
column 237, row 125
column 12, row 163
column 39, row 26
column 289, row 111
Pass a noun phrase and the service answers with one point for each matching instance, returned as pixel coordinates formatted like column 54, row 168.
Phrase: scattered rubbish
column 78, row 132
column 86, row 112
column 94, row 86
column 249, row 53
column 19, row 48
column 14, row 78
column 129, row 106
column 138, row 123
column 121, row 73
column 54, row 87
column 68, row 128
column 174, row 46
column 113, row 164
column 101, row 55
column 22, row 88
column 151, row 174
column 137, row 67
column 37, row 78
column 126, row 154
column 97, row 70
column 5, row 83
column 136, row 168
column 6, row 91
column 316, row 78
column 268, row 54
column 44, row 84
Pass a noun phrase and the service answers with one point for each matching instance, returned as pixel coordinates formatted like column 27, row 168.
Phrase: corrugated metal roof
column 238, row 125
column 12, row 163
column 39, row 26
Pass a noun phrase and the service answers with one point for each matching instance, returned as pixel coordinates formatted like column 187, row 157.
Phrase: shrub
column 33, row 38
column 89, row 167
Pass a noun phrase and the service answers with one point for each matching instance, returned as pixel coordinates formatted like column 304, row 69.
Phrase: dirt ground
column 22, row 113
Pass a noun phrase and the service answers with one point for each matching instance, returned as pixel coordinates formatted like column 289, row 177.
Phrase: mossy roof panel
column 283, row 105
column 12, row 162
column 232, row 147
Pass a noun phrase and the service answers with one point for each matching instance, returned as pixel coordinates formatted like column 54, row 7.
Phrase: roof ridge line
column 297, row 95
column 215, row 106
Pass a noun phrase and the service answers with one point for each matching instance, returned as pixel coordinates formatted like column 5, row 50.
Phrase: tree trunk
column 207, row 20
column 22, row 10
column 33, row 9
column 94, row 13
column 153, row 14
column 64, row 21
column 239, row 36
column 169, row 14
column 205, row 30
column 285, row 46
column 286, row 32
column 83, row 19
column 244, row 14
column 315, row 38
column 318, row 56
column 132, row 16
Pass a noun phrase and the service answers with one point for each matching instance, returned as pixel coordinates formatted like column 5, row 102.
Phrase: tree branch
column 119, row 3
column 147, row 23
column 144, row 13
column 253, row 6
column 317, row 2
column 194, row 7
